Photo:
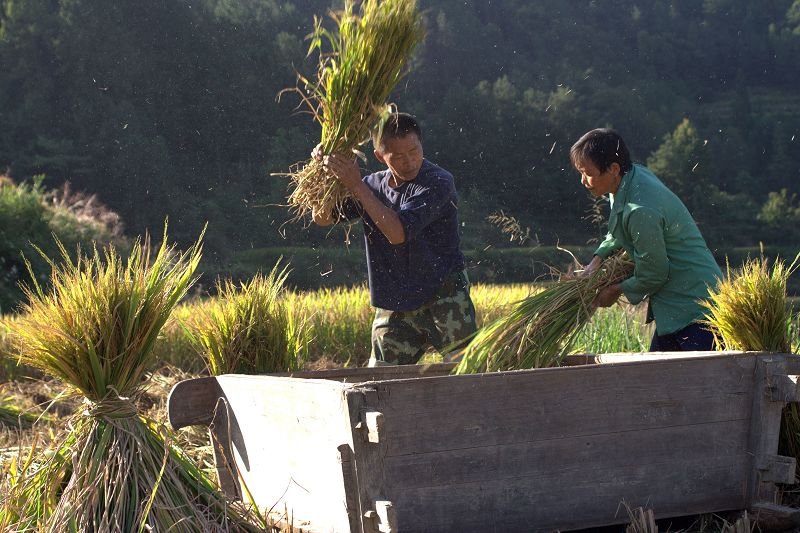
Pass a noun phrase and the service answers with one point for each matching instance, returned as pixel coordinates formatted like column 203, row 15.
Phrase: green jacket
column 673, row 265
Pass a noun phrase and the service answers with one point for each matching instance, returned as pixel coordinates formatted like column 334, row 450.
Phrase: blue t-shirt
column 406, row 276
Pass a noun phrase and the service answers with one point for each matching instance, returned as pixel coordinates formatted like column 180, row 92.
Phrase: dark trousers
column 692, row 338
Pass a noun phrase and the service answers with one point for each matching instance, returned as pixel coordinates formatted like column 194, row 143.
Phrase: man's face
column 599, row 183
column 402, row 155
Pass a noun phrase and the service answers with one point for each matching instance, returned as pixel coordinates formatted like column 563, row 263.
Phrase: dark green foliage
column 169, row 108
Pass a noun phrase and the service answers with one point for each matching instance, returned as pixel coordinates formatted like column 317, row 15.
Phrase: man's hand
column 321, row 218
column 316, row 153
column 587, row 271
column 608, row 296
column 346, row 171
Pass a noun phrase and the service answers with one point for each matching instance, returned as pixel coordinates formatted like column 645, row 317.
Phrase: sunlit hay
column 539, row 331
column 641, row 520
column 339, row 323
column 249, row 329
column 359, row 65
column 94, row 329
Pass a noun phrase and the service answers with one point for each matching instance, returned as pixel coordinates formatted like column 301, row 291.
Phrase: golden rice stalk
column 365, row 58
column 116, row 471
column 250, row 328
column 539, row 330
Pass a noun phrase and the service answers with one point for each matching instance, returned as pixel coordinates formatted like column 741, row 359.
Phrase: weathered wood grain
column 765, row 427
column 583, row 455
column 575, row 499
column 517, row 451
column 437, row 414
column 370, row 470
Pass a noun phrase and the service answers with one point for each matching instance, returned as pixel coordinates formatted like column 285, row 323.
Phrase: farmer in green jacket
column 673, row 266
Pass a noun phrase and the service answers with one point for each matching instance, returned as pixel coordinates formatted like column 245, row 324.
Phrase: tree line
column 169, row 108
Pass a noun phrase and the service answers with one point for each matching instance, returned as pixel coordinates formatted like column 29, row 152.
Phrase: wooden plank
column 613, row 358
column 765, row 426
column 347, row 460
column 360, row 375
column 495, row 409
column 369, row 460
column 383, row 373
column 572, row 500
column 785, row 388
column 776, row 468
column 586, row 455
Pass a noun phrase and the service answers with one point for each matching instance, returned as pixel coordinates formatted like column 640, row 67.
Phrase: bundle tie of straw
column 112, row 407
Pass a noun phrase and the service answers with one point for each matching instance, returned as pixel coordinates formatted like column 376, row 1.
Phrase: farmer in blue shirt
column 415, row 266
column 673, row 267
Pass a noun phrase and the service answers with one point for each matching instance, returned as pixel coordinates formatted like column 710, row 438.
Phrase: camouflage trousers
column 402, row 337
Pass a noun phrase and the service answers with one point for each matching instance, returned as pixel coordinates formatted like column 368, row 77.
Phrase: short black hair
column 602, row 146
column 396, row 126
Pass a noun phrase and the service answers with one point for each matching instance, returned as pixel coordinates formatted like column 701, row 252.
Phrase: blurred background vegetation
column 161, row 108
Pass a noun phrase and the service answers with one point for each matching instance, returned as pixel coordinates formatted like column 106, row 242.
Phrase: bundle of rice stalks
column 94, row 330
column 539, row 330
column 249, row 329
column 367, row 56
column 749, row 311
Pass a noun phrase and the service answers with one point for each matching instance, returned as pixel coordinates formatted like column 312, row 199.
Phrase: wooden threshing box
column 412, row 449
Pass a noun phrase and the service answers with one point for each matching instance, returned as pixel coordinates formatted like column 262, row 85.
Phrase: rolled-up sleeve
column 651, row 263
column 607, row 247
column 424, row 207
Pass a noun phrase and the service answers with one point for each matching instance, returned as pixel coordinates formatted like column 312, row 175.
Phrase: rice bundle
column 749, row 311
column 250, row 329
column 539, row 330
column 94, row 330
column 366, row 59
